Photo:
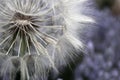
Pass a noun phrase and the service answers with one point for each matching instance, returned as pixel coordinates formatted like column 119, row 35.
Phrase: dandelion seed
column 39, row 35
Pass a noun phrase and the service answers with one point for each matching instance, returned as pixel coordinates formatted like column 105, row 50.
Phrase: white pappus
column 37, row 35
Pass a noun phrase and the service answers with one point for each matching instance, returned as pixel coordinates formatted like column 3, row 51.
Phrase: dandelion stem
column 19, row 47
column 27, row 41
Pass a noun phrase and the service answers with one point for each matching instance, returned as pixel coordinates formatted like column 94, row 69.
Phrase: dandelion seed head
column 30, row 29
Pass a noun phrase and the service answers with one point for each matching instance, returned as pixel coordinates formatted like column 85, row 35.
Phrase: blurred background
column 102, row 59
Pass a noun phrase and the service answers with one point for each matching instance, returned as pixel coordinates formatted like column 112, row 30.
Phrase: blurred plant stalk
column 116, row 7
